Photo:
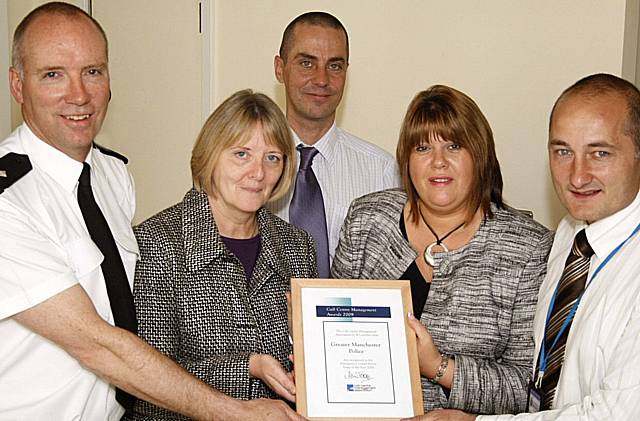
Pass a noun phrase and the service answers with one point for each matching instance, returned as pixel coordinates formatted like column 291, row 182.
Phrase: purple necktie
column 307, row 208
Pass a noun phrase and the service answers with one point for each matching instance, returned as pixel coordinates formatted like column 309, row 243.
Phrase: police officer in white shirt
column 594, row 155
column 60, row 352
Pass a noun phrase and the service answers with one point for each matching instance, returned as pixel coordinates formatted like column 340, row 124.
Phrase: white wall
column 513, row 57
column 5, row 97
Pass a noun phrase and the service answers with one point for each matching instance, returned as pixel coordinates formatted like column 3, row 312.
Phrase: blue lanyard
column 544, row 354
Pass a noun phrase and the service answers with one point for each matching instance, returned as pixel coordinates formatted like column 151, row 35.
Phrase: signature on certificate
column 349, row 375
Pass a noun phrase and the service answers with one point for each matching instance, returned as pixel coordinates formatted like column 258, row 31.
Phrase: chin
column 583, row 213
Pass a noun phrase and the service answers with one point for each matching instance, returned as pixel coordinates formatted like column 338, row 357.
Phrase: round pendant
column 428, row 256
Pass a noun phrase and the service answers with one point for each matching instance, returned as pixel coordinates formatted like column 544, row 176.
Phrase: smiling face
column 245, row 175
column 442, row 173
column 64, row 88
column 594, row 163
column 313, row 72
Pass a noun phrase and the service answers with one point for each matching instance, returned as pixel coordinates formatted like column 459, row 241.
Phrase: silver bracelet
column 442, row 368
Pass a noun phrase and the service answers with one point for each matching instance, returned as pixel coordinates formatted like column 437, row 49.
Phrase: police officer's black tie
column 570, row 287
column 118, row 289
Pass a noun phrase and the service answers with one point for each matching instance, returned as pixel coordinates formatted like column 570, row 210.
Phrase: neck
column 308, row 131
column 445, row 222
column 233, row 224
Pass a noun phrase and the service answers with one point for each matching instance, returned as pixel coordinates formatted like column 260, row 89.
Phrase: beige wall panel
column 155, row 113
column 513, row 57
column 5, row 96
column 16, row 10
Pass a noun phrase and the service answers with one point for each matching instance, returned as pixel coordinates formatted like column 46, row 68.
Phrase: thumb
column 416, row 325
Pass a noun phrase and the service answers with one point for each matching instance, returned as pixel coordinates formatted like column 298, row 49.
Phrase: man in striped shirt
column 312, row 64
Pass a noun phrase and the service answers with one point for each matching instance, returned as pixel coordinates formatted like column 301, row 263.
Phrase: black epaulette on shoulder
column 110, row 152
column 13, row 167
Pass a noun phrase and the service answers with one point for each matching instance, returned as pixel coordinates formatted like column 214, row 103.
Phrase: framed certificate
column 354, row 353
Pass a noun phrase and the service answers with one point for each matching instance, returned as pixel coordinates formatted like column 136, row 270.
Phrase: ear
column 278, row 65
column 15, row 85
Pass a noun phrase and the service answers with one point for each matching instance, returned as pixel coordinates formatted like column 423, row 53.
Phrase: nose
column 438, row 159
column 580, row 172
column 77, row 93
column 257, row 170
column 321, row 76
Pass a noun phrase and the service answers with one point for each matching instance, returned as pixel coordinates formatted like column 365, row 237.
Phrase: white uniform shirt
column 44, row 249
column 346, row 167
column 600, row 378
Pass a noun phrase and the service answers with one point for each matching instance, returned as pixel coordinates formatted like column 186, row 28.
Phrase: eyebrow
column 598, row 144
column 55, row 68
column 312, row 57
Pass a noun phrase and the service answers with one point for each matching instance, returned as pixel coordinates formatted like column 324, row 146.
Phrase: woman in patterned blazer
column 214, row 269
column 475, row 265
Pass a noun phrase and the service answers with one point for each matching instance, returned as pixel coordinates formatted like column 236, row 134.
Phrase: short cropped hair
column 606, row 84
column 231, row 124
column 447, row 113
column 53, row 8
column 323, row 19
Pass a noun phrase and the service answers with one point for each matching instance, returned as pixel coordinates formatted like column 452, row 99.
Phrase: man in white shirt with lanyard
column 312, row 64
column 60, row 197
column 594, row 155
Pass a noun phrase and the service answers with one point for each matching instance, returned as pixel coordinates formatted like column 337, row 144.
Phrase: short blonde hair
column 232, row 124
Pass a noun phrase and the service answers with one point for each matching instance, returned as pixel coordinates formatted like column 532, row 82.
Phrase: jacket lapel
column 271, row 259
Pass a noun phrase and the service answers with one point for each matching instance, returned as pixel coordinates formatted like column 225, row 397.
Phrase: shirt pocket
column 129, row 251
column 84, row 256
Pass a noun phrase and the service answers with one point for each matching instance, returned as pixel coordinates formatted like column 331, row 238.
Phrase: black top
column 419, row 287
column 246, row 250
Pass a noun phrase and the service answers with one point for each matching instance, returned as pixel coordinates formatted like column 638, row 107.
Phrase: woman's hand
column 429, row 357
column 270, row 371
column 428, row 354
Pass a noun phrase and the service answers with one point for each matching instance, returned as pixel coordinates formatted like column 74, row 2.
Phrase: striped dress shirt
column 346, row 167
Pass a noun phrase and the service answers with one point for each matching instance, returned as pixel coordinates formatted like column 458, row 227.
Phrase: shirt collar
column 60, row 167
column 326, row 145
column 604, row 235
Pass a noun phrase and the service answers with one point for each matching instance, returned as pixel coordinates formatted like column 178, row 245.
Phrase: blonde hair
column 232, row 123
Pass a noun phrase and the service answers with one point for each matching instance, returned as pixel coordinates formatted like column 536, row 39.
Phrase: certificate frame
column 309, row 302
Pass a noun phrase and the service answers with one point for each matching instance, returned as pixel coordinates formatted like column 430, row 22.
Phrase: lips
column 253, row 189
column 76, row 117
column 440, row 180
column 319, row 94
column 586, row 194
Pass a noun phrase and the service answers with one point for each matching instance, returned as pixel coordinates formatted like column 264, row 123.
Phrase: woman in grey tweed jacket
column 214, row 269
column 476, row 290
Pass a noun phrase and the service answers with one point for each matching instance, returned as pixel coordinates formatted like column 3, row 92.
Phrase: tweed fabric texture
column 195, row 305
column 481, row 303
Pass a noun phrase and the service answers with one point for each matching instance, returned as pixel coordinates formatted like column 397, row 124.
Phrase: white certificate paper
column 356, row 362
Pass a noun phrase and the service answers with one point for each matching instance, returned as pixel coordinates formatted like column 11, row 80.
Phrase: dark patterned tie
column 307, row 208
column 570, row 287
column 120, row 297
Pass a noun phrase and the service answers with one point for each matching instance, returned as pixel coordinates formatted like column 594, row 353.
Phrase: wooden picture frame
column 353, row 344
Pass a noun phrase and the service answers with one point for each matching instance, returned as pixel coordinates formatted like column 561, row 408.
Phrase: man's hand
column 264, row 410
column 444, row 415
column 270, row 371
